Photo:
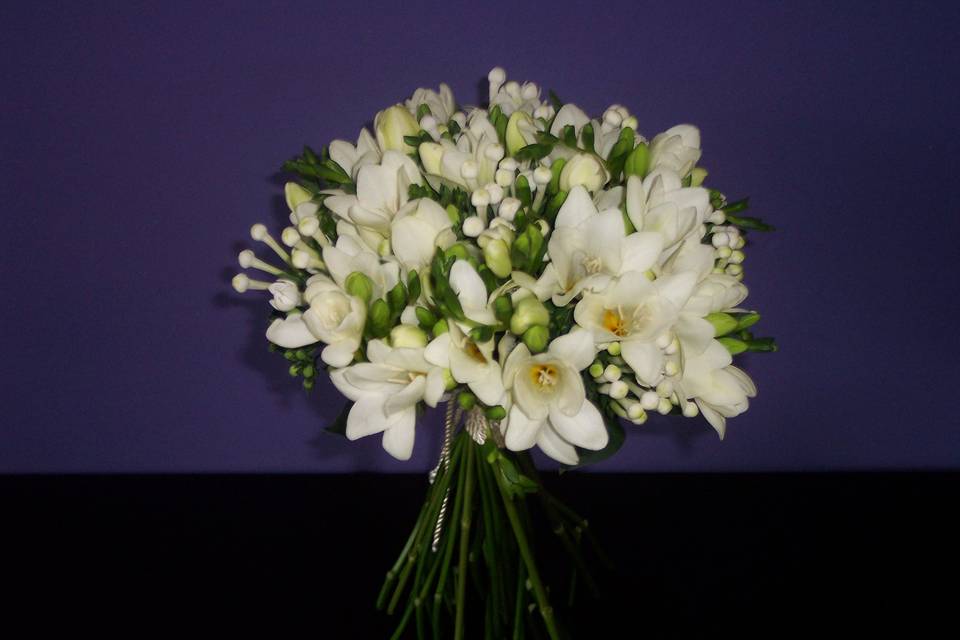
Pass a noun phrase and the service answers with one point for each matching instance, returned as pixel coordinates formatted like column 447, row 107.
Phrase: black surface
column 699, row 555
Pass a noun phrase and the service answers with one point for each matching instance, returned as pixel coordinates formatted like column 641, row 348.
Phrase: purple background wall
column 138, row 143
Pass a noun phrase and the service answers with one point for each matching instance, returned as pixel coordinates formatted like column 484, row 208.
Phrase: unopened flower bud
column 296, row 195
column 528, row 312
column 536, row 338
column 596, row 369
column 392, row 125
column 585, row 170
column 503, row 309
column 690, row 410
column 497, row 256
column 286, row 295
column 519, row 132
column 360, row 285
column 473, row 226
column 407, row 336
column 649, row 400
column 723, row 323
column 638, row 162
column 611, row 373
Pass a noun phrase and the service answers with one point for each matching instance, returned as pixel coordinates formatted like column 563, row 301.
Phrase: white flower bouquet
column 545, row 274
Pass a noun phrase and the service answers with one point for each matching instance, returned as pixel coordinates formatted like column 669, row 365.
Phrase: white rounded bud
column 612, row 118
column 612, row 373
column 690, row 410
column 258, row 232
column 649, row 400
column 473, row 226
column 309, row 226
column 494, row 193
column 664, row 389
column 723, row 252
column 736, row 257
column 720, row 239
column 497, row 76
column 664, row 407
column 240, row 282
column 290, row 236
column 671, row 368
column 618, row 389
column 480, row 198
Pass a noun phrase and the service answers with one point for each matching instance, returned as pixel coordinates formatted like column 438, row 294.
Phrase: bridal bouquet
column 547, row 276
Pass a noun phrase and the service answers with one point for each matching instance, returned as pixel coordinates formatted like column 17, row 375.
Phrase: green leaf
column 747, row 222
column 339, row 426
column 586, row 135
column 555, row 100
column 534, row 151
column 738, row 206
column 413, row 287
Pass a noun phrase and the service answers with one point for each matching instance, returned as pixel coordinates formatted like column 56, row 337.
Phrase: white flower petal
column 290, row 332
column 340, row 354
column 407, row 397
column 646, row 360
column 577, row 208
column 366, row 417
column 398, row 439
column 586, row 429
column 522, row 431
column 489, row 387
column 575, row 348
column 556, row 447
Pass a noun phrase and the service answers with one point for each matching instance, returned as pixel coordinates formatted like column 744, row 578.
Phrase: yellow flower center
column 474, row 352
column 614, row 322
column 544, row 376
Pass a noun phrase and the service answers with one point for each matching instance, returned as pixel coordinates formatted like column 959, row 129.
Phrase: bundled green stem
column 494, row 581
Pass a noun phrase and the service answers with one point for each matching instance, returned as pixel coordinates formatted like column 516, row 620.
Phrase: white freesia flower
column 442, row 105
column 470, row 162
column 350, row 255
column 660, row 204
column 352, row 157
column 471, row 292
column 512, row 96
column 385, row 392
column 417, row 230
column 549, row 407
column 588, row 248
column 335, row 318
column 381, row 190
column 286, row 295
column 677, row 149
column 635, row 312
column 719, row 389
column 471, row 363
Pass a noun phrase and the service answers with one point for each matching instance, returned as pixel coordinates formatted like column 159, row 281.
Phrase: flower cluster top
column 555, row 271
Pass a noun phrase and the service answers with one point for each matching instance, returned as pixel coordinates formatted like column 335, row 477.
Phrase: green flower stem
column 450, row 540
column 560, row 528
column 518, row 531
column 395, row 569
column 434, row 502
column 518, row 626
column 497, row 600
column 465, row 520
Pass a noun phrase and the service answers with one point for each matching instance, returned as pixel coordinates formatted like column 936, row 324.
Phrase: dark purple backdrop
column 139, row 143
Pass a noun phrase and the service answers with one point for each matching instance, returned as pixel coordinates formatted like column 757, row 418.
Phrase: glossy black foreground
column 748, row 555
